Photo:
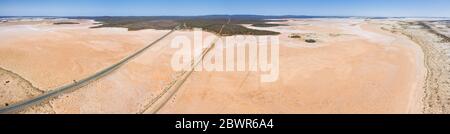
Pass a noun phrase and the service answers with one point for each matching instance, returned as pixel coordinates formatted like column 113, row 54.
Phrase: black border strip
column 166, row 122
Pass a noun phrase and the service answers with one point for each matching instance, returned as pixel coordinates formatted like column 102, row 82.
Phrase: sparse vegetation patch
column 65, row 23
column 207, row 23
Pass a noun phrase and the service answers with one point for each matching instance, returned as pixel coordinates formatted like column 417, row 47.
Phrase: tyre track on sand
column 157, row 103
column 76, row 85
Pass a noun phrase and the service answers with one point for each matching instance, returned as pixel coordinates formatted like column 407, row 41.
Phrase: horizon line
column 221, row 15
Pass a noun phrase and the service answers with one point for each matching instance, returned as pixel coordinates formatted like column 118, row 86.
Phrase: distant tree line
column 212, row 23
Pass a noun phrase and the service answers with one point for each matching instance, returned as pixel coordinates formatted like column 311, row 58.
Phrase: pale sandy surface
column 51, row 55
column 355, row 67
column 13, row 88
column 130, row 88
column 363, row 70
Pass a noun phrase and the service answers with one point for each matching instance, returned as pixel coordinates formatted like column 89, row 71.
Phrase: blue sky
column 389, row 8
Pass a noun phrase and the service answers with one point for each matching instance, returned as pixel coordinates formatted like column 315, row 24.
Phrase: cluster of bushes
column 64, row 23
column 308, row 40
column 295, row 36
